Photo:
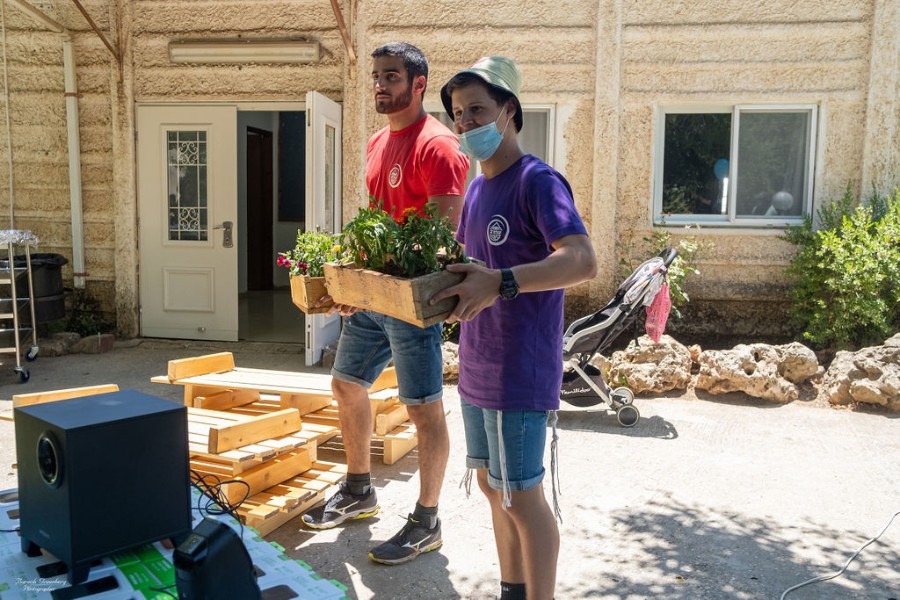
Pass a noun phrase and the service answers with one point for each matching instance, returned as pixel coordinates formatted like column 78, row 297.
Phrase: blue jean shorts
column 524, row 438
column 369, row 341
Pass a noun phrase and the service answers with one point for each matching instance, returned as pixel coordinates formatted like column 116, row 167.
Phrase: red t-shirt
column 404, row 168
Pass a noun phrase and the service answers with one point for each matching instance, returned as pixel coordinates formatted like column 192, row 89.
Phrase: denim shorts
column 369, row 341
column 524, row 438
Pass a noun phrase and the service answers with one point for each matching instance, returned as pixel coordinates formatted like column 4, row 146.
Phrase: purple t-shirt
column 510, row 355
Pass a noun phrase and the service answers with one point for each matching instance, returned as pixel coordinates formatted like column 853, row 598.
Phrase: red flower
column 405, row 215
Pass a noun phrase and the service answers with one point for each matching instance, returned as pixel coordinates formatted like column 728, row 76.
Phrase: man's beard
column 386, row 106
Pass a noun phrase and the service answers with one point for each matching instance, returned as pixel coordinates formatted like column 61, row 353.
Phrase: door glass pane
column 696, row 163
column 773, row 161
column 330, row 159
column 186, row 185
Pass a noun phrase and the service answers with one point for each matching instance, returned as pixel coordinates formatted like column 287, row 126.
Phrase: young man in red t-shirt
column 413, row 161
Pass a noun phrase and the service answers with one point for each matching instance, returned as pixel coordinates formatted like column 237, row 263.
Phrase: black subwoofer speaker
column 101, row 474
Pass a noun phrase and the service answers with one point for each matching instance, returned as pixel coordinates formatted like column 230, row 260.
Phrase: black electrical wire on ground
column 847, row 564
column 216, row 502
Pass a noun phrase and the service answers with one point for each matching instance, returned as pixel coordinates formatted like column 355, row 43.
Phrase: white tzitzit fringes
column 507, row 495
column 552, row 418
column 466, row 481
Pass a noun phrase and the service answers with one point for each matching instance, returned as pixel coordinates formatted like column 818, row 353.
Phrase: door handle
column 227, row 239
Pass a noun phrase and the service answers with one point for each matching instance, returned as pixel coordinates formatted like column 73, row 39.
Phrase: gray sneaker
column 342, row 506
column 408, row 543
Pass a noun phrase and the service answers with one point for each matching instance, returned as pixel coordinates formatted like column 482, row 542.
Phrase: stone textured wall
column 731, row 52
column 607, row 65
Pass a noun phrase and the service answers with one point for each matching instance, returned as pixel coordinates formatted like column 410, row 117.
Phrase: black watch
column 509, row 287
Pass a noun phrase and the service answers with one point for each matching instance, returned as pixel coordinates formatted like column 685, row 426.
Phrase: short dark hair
column 413, row 59
column 498, row 95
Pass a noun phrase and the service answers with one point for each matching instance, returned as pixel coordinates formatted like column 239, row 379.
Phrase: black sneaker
column 408, row 543
column 341, row 507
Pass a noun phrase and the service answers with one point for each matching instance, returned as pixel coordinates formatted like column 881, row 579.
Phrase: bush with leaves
column 685, row 264
column 846, row 274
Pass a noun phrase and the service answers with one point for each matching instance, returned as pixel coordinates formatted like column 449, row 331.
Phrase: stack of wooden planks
column 260, row 455
column 258, row 431
column 210, row 376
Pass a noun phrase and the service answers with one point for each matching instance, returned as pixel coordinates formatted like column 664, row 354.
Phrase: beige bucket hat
column 497, row 71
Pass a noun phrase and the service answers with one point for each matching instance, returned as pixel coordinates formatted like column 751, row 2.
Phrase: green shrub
column 685, row 264
column 846, row 274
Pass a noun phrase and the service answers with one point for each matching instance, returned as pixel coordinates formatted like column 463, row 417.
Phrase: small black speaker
column 101, row 474
column 213, row 563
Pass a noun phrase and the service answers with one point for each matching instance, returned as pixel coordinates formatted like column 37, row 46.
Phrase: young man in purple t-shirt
column 519, row 218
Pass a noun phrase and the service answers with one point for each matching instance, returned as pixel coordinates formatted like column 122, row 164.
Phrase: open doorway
column 271, row 209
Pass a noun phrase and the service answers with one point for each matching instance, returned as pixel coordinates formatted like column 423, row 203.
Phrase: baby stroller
column 583, row 384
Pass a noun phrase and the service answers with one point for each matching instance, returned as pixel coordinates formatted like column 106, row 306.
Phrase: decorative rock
column 652, row 367
column 450, row 352
column 798, row 363
column 58, row 344
column 870, row 375
column 94, row 344
column 759, row 370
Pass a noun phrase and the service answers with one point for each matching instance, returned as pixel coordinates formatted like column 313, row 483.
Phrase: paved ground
column 716, row 498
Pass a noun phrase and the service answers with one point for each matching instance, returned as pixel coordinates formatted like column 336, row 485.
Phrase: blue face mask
column 482, row 142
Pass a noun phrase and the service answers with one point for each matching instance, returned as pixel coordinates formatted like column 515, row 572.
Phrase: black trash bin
column 46, row 278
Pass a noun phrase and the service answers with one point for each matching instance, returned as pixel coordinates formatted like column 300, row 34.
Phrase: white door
column 187, row 204
column 323, row 200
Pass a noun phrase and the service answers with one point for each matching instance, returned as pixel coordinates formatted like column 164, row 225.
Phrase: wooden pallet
column 394, row 436
column 226, row 430
column 275, row 506
column 213, row 373
column 391, row 447
column 255, row 479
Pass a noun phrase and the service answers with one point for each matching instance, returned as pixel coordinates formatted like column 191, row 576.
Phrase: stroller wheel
column 628, row 415
column 623, row 395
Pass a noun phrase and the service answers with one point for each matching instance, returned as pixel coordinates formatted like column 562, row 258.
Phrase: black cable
column 217, row 503
column 164, row 590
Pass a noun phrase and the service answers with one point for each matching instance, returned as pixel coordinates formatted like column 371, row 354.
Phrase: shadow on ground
column 692, row 552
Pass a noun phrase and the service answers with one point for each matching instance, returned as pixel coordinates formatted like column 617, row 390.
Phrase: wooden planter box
column 398, row 297
column 306, row 291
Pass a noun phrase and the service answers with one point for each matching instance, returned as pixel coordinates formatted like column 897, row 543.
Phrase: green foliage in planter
column 846, row 274
column 309, row 255
column 407, row 245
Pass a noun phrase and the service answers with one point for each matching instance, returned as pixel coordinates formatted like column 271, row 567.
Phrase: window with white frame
column 744, row 165
column 536, row 136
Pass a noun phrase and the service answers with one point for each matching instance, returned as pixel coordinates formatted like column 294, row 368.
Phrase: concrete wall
column 606, row 65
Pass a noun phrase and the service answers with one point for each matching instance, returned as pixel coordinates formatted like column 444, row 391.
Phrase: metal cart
column 12, row 304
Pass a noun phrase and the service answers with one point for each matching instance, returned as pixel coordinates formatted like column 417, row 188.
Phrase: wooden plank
column 258, row 478
column 390, row 419
column 265, row 518
column 183, row 368
column 305, row 403
column 332, row 473
column 387, row 379
column 226, row 399
column 401, row 298
column 66, row 394
column 399, row 443
column 227, row 437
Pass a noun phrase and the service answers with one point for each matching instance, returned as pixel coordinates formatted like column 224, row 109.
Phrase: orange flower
column 403, row 219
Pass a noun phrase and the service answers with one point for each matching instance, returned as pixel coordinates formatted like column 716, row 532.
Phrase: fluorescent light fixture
column 244, row 50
